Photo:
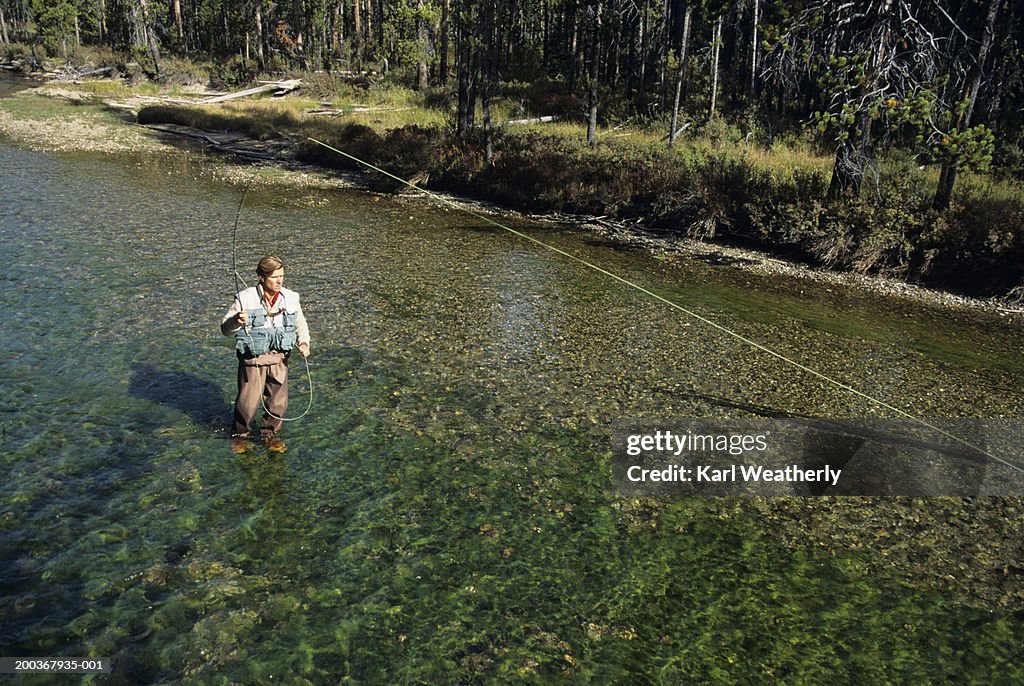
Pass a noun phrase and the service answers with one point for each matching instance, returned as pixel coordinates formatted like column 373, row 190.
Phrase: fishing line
column 238, row 297
column 677, row 306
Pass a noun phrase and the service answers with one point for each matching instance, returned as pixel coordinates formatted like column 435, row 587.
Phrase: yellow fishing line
column 677, row 306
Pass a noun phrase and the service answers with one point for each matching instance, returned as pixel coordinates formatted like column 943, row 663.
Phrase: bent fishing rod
column 238, row 297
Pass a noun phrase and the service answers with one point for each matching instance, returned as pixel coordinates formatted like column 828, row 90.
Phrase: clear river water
column 444, row 513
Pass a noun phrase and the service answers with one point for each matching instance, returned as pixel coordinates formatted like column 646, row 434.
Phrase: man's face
column 272, row 283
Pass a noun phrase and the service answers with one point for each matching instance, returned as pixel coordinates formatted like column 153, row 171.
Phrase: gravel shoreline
column 763, row 263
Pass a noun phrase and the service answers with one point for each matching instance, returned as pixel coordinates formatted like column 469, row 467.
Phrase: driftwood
column 94, row 72
column 158, row 99
column 354, row 74
column 537, row 120
column 279, row 88
column 137, row 101
column 72, row 73
column 336, row 112
column 679, row 130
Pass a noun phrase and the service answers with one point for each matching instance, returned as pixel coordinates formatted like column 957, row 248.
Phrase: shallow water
column 9, row 85
column 444, row 512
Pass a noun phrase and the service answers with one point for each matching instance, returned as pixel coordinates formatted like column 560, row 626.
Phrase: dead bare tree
column 673, row 131
column 869, row 56
column 3, row 27
column 755, row 49
column 595, row 63
column 148, row 38
column 716, row 51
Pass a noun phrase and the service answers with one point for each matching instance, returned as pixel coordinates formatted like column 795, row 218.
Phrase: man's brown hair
column 269, row 264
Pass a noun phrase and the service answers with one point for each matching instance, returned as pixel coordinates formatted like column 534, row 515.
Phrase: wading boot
column 274, row 444
column 241, row 445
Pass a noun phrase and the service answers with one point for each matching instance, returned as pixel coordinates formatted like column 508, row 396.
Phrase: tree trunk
column 371, row 24
column 644, row 39
column 137, row 31
column 487, row 79
column 462, row 114
column 259, row 35
column 176, row 8
column 337, row 29
column 545, row 31
column 595, row 64
column 681, row 76
column 225, row 29
column 357, row 34
column 754, row 51
column 3, row 27
column 1000, row 84
column 443, row 67
column 423, row 44
column 102, row 19
column 848, row 169
column 852, row 156
column 150, row 39
column 473, row 58
column 575, row 52
column 298, row 22
column 947, row 177
column 716, row 51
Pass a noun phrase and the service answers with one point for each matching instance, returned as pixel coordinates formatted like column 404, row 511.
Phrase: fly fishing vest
column 267, row 331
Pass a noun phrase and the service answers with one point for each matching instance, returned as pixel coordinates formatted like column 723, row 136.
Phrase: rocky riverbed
column 968, row 549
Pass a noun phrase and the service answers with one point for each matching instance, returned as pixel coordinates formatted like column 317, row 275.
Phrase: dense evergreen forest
column 940, row 78
column 934, row 84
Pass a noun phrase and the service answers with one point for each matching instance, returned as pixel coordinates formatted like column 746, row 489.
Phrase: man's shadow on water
column 202, row 400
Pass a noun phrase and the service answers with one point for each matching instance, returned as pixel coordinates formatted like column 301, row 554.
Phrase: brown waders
column 266, row 376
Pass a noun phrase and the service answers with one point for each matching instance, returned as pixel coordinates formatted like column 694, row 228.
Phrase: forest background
column 881, row 136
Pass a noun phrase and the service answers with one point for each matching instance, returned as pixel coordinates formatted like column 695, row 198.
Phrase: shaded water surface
column 443, row 513
column 10, row 85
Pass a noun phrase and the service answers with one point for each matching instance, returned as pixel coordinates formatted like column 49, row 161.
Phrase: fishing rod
column 238, row 297
column 724, row 329
column 234, row 249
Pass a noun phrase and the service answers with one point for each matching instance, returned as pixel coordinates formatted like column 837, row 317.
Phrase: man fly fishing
column 267, row 323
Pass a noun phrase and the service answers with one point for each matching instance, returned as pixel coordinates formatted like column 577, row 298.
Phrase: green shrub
column 175, row 71
column 356, row 139
column 719, row 131
column 16, row 52
column 327, row 86
column 978, row 246
column 233, row 72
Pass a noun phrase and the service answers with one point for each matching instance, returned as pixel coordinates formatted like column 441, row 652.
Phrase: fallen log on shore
column 75, row 74
column 535, row 120
column 278, row 88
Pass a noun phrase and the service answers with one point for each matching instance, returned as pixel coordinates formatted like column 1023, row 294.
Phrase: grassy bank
column 708, row 187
